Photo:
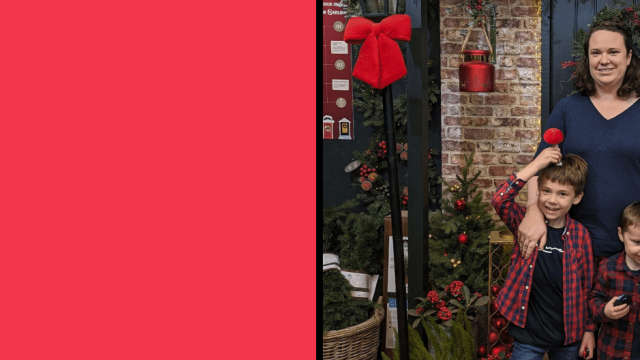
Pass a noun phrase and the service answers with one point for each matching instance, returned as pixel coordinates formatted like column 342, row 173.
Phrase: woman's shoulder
column 573, row 99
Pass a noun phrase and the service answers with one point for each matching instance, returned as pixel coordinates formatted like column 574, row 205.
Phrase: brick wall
column 503, row 127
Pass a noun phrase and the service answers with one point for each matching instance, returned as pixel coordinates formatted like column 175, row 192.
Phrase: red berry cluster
column 478, row 295
column 433, row 297
column 635, row 20
column 491, row 357
column 382, row 148
column 455, row 288
column 405, row 199
column 444, row 314
column 365, row 170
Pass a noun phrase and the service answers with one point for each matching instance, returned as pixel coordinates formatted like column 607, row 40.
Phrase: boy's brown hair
column 573, row 171
column 630, row 216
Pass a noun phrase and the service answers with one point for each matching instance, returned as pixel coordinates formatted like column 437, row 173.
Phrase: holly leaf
column 466, row 293
column 421, row 299
column 430, row 312
column 415, row 323
column 482, row 301
column 447, row 323
column 473, row 298
column 455, row 302
column 413, row 312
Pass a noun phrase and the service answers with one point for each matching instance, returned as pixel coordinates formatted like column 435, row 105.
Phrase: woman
column 602, row 125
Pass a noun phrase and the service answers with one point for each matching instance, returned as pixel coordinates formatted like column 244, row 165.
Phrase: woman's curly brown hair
column 631, row 82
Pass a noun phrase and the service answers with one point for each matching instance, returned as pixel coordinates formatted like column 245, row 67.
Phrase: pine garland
column 333, row 218
column 362, row 247
column 339, row 309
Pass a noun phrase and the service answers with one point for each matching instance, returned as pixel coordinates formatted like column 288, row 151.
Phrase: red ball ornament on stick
column 553, row 136
column 463, row 239
column 495, row 289
column 460, row 204
column 482, row 350
column 493, row 337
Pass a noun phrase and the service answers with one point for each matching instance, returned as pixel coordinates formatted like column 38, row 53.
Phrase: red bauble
column 482, row 350
column 495, row 289
column 460, row 204
column 496, row 349
column 506, row 338
column 493, row 337
column 493, row 307
column 498, row 322
column 553, row 136
column 463, row 239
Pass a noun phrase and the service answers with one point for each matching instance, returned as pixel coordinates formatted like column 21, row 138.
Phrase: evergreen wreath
column 627, row 15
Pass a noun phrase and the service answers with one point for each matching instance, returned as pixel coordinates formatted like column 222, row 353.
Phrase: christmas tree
column 459, row 235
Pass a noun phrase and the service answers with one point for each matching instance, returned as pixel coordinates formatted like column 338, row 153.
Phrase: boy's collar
column 566, row 223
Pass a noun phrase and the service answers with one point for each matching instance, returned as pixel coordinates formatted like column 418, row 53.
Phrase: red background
column 150, row 208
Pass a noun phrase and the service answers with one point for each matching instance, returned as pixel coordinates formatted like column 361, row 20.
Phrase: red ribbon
column 380, row 62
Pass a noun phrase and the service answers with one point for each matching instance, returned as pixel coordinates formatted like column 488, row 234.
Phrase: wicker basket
column 358, row 342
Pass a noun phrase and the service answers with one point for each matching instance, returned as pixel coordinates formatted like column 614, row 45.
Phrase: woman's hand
column 615, row 312
column 532, row 231
column 587, row 345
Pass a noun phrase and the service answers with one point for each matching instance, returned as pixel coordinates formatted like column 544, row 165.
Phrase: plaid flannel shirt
column 616, row 336
column 577, row 268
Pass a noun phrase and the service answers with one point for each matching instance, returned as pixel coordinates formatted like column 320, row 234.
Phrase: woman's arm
column 532, row 228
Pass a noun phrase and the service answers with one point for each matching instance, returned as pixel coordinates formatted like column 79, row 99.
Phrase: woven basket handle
column 466, row 38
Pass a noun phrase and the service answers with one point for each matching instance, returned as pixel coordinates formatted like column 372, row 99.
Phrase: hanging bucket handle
column 466, row 38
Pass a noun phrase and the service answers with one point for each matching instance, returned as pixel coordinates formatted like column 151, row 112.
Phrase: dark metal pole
column 396, row 223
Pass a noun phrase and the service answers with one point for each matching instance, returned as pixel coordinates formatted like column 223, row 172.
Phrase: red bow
column 380, row 61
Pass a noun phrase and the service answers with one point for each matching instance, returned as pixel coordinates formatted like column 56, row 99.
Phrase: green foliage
column 578, row 44
column 361, row 242
column 448, row 223
column 460, row 345
column 339, row 309
column 417, row 350
column 353, row 7
column 332, row 219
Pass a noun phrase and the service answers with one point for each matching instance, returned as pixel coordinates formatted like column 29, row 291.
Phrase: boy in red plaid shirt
column 545, row 296
column 619, row 337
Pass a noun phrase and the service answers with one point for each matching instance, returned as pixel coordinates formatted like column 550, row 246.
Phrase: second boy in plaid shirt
column 545, row 296
column 619, row 337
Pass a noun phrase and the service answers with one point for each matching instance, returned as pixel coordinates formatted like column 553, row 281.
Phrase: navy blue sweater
column 611, row 148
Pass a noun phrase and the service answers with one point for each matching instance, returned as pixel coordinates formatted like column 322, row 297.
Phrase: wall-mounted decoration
column 337, row 89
